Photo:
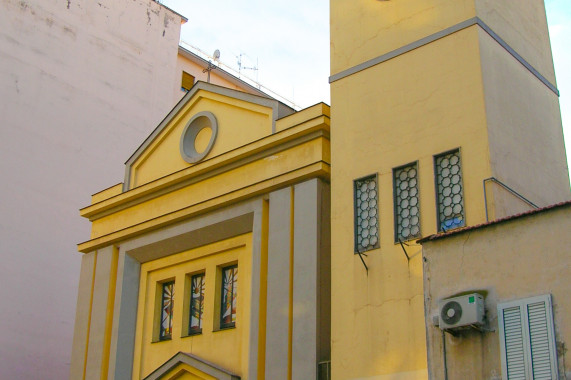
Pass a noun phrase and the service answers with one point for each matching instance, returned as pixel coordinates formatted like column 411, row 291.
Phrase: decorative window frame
column 437, row 191
column 190, row 306
column 396, row 205
column 529, row 324
column 357, row 209
column 200, row 121
column 159, row 331
column 219, row 316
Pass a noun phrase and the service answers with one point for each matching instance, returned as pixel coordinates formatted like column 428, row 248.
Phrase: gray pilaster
column 255, row 292
column 279, row 247
column 310, row 281
column 125, row 318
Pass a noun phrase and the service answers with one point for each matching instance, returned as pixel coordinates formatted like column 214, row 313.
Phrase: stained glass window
column 196, row 304
column 407, row 211
column 449, row 190
column 167, row 302
column 366, row 214
column 229, row 297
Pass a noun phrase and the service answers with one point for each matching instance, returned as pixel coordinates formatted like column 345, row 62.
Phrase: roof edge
column 458, row 231
column 277, row 107
column 220, row 71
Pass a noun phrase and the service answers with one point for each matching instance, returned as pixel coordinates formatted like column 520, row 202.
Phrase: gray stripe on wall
column 436, row 36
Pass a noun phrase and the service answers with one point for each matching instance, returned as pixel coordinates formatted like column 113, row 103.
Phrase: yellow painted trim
column 215, row 248
column 318, row 169
column 224, row 162
column 107, row 193
column 317, row 110
column 263, row 290
column 109, row 313
column 90, row 312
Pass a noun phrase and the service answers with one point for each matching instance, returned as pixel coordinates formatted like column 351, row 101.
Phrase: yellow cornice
column 318, row 169
column 295, row 135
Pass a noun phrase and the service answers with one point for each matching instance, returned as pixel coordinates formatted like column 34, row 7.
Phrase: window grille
column 366, row 214
column 449, row 191
column 167, row 304
column 196, row 304
column 406, row 200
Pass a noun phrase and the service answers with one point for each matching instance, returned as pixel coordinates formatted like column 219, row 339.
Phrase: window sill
column 162, row 340
column 192, row 334
column 225, row 328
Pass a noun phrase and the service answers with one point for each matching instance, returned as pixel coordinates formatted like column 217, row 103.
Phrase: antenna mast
column 211, row 67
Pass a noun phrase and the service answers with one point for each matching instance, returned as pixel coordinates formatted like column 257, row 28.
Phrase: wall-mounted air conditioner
column 461, row 311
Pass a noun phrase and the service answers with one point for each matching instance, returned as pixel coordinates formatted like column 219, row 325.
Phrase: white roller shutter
column 527, row 339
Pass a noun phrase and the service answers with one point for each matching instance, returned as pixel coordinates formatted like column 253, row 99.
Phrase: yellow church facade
column 211, row 259
column 250, row 241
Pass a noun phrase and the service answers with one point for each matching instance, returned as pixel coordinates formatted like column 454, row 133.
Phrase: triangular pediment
column 185, row 366
column 208, row 121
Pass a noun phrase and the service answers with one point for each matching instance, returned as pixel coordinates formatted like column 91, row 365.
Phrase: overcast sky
column 288, row 41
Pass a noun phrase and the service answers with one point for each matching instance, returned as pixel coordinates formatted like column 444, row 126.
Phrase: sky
column 288, row 43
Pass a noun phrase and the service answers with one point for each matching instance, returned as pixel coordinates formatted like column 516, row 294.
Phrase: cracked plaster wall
column 522, row 258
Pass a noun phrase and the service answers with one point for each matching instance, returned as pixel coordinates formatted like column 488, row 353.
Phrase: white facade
column 81, row 82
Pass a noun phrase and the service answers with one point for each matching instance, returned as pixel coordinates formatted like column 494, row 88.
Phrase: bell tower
column 445, row 113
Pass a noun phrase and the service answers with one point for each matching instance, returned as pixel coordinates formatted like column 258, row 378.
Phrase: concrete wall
column 82, row 83
column 484, row 260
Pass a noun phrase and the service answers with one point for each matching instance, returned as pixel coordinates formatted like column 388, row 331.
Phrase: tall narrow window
column 366, row 214
column 449, row 192
column 196, row 304
column 407, row 211
column 167, row 303
column 527, row 339
column 229, row 296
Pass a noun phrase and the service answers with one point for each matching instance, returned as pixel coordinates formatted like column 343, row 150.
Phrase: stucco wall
column 522, row 258
column 407, row 109
column 524, row 29
column 386, row 26
column 524, row 130
column 82, row 83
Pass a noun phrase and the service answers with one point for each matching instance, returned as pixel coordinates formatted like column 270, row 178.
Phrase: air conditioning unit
column 456, row 312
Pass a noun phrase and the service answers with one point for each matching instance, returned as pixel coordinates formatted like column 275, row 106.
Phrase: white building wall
column 81, row 84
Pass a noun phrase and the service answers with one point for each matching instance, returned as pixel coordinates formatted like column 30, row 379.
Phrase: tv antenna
column 211, row 67
column 253, row 68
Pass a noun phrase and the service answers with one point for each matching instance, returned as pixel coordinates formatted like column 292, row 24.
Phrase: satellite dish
column 216, row 55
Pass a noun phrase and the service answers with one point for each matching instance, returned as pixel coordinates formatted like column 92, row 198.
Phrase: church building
column 252, row 241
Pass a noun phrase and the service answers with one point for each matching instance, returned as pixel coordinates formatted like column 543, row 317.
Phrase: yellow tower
column 445, row 113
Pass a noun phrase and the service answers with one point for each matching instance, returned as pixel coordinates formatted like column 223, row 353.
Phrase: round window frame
column 191, row 131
